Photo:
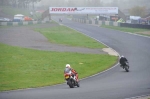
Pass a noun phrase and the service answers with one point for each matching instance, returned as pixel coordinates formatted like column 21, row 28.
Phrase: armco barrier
column 90, row 21
column 111, row 23
column 22, row 23
column 135, row 25
column 116, row 24
column 96, row 22
column 107, row 23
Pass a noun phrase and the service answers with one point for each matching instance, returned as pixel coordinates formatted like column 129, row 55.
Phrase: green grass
column 67, row 36
column 126, row 29
column 26, row 68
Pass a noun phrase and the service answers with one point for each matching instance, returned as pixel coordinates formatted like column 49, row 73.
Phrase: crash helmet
column 68, row 66
column 122, row 56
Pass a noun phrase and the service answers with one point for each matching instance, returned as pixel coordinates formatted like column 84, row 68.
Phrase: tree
column 33, row 2
column 4, row 2
column 138, row 11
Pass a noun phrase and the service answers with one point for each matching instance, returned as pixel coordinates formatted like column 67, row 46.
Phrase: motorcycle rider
column 68, row 68
column 60, row 19
column 123, row 61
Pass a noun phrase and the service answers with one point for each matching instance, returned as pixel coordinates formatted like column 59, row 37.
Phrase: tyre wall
column 110, row 23
column 22, row 23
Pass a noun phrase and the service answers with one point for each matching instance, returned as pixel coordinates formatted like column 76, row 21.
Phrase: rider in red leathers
column 68, row 67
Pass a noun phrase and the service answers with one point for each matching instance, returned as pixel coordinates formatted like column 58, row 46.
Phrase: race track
column 113, row 84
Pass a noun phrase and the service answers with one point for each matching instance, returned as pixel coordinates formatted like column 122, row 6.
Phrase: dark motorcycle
column 126, row 66
column 60, row 20
column 71, row 81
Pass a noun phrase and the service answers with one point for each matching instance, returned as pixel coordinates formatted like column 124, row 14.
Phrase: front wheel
column 71, row 83
column 78, row 85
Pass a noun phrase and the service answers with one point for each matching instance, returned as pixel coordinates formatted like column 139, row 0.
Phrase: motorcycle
column 126, row 66
column 60, row 20
column 71, row 80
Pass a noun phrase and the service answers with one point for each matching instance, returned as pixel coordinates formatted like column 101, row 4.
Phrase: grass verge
column 26, row 68
column 66, row 36
column 131, row 30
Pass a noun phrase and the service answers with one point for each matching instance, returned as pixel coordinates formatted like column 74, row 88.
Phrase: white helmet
column 122, row 56
column 67, row 65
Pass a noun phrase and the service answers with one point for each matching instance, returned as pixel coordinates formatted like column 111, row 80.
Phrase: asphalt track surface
column 113, row 84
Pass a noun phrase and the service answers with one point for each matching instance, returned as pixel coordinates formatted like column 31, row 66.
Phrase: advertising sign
column 83, row 10
column 114, row 18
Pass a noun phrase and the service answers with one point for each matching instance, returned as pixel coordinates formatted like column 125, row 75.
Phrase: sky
column 122, row 4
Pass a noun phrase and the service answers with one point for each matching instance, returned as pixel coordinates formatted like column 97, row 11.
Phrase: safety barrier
column 22, row 23
column 142, row 26
column 96, row 22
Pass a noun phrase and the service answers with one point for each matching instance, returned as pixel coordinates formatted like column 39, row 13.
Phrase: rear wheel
column 127, row 68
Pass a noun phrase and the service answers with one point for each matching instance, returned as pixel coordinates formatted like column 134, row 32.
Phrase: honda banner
column 83, row 10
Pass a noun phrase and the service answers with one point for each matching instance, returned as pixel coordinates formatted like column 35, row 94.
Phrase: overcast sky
column 122, row 4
